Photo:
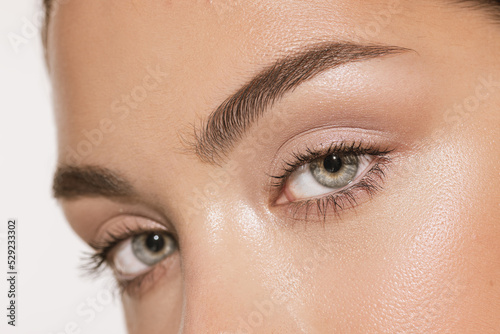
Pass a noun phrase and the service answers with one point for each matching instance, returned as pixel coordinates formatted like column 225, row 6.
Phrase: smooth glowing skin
column 420, row 256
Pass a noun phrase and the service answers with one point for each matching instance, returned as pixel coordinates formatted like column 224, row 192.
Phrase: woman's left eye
column 138, row 254
column 324, row 175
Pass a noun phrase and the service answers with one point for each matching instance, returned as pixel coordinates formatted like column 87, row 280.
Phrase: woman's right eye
column 138, row 254
column 325, row 175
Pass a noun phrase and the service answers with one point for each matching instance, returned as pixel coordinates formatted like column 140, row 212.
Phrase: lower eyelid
column 142, row 283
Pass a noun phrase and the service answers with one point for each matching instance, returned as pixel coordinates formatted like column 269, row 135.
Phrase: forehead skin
column 421, row 256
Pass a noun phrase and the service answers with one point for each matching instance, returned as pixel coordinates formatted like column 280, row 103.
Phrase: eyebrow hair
column 71, row 182
column 490, row 7
column 228, row 122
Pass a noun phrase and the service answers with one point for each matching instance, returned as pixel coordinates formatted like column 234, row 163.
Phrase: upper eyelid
column 111, row 239
column 310, row 60
column 298, row 159
column 342, row 148
column 129, row 223
column 115, row 240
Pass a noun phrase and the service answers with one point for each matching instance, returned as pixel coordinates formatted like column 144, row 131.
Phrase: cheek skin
column 425, row 262
column 159, row 310
column 444, row 270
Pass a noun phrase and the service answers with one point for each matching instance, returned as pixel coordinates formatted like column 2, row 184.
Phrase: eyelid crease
column 229, row 121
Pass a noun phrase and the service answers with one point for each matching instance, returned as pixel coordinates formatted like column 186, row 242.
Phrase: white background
column 52, row 293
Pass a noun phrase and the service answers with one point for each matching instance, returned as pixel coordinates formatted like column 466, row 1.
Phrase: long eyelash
column 298, row 159
column 346, row 198
column 341, row 200
column 95, row 263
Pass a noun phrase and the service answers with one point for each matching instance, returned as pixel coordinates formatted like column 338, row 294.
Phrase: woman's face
column 284, row 166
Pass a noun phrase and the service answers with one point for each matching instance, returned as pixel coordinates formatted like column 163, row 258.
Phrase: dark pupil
column 155, row 242
column 332, row 163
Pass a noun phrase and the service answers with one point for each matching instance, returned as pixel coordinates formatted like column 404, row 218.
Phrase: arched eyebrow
column 71, row 182
column 229, row 121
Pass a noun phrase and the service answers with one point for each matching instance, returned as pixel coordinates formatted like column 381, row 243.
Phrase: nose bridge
column 223, row 282
column 218, row 283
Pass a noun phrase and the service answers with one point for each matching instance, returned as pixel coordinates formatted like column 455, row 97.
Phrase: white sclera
column 126, row 262
column 302, row 184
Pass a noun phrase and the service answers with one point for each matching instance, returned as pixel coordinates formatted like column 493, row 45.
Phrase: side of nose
column 226, row 286
column 221, row 295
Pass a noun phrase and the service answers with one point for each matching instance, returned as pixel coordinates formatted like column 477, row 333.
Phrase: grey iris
column 335, row 171
column 151, row 248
